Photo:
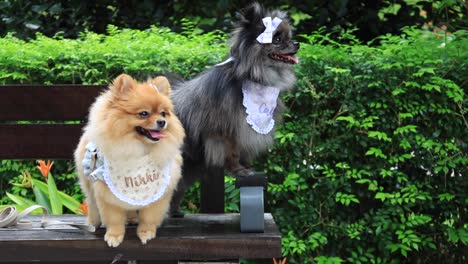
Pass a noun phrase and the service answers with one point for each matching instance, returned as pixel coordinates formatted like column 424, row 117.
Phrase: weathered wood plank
column 39, row 141
column 47, row 102
column 195, row 237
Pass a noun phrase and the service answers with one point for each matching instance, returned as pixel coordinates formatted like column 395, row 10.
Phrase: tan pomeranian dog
column 129, row 157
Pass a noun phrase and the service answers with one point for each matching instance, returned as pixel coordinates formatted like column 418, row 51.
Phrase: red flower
column 44, row 167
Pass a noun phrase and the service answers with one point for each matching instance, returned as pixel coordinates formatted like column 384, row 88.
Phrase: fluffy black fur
column 210, row 106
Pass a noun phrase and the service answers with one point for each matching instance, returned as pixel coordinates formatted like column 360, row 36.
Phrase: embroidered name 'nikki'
column 131, row 182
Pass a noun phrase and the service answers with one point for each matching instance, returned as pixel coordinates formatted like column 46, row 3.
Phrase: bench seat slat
column 196, row 236
column 51, row 102
column 39, row 141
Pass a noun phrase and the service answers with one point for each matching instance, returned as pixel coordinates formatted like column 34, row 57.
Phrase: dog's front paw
column 113, row 240
column 146, row 233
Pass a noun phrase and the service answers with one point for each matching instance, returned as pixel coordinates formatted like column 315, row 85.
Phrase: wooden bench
column 210, row 235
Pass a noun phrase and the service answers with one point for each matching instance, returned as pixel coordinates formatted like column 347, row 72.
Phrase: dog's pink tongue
column 293, row 59
column 156, row 134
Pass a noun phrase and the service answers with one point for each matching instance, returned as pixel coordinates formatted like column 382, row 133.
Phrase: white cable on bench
column 9, row 217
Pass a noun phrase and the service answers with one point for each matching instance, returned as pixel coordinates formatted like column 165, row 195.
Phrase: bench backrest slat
column 39, row 141
column 51, row 102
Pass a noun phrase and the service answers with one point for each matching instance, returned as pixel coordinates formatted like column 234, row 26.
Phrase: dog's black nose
column 161, row 123
column 296, row 45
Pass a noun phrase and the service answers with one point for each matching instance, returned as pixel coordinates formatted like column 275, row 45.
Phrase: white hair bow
column 270, row 26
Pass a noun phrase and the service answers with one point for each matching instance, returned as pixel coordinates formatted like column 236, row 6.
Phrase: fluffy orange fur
column 113, row 119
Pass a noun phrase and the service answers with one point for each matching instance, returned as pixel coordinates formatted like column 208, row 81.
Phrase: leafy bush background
column 380, row 173
column 371, row 162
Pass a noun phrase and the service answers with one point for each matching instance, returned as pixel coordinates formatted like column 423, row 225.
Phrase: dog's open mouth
column 286, row 58
column 154, row 135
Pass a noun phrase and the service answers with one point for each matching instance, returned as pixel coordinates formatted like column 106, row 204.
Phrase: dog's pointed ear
column 161, row 83
column 253, row 12
column 122, row 84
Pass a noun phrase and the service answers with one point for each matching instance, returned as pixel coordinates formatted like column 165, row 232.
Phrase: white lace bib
column 137, row 182
column 260, row 103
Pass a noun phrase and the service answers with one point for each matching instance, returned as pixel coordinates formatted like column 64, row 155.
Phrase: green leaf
column 55, row 202
column 423, row 71
column 453, row 236
column 398, row 91
column 41, row 198
column 463, row 235
column 42, row 186
column 379, row 136
column 20, row 200
column 446, row 197
column 405, row 129
column 376, row 152
column 352, row 122
column 381, row 196
column 69, row 202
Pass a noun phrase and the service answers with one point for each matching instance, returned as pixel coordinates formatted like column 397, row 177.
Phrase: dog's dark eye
column 277, row 39
column 163, row 114
column 143, row 114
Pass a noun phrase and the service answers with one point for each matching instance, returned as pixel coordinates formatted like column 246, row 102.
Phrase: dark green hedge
column 371, row 162
column 370, row 18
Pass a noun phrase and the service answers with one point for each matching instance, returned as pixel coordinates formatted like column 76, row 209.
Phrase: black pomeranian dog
column 229, row 112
